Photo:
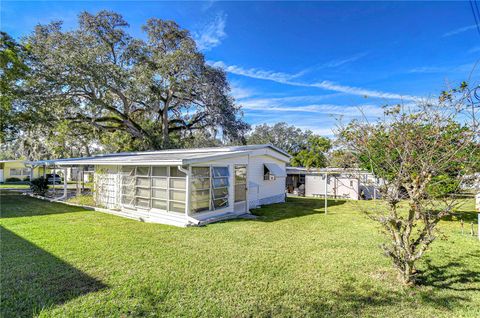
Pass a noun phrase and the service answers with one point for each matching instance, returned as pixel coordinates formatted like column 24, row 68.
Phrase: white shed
column 352, row 184
column 186, row 186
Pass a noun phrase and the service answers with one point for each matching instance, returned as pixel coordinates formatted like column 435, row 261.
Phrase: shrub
column 39, row 186
column 26, row 179
column 13, row 179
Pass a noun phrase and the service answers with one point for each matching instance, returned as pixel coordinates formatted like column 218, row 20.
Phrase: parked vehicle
column 51, row 179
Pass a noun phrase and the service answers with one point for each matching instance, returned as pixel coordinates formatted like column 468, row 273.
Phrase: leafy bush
column 26, row 179
column 13, row 179
column 39, row 186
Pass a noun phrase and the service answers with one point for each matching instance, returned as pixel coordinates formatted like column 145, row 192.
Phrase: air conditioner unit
column 272, row 178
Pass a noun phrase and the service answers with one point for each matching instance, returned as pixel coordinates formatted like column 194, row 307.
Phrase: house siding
column 259, row 192
column 264, row 191
column 7, row 166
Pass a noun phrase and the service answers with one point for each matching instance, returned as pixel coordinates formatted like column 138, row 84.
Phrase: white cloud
column 362, row 91
column 427, row 69
column 212, row 34
column 460, row 30
column 266, row 104
column 474, row 49
column 337, row 63
column 256, row 73
column 240, row 92
column 444, row 69
column 325, row 131
column 288, row 79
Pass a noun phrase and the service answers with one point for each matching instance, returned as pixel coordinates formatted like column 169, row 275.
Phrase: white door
column 1, row 175
column 240, row 188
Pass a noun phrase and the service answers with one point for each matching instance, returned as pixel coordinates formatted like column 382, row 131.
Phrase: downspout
column 187, row 194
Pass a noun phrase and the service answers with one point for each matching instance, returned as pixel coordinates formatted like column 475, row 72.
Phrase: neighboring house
column 352, row 184
column 186, row 186
column 17, row 169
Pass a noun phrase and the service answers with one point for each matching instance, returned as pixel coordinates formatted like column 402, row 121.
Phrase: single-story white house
column 354, row 184
column 185, row 186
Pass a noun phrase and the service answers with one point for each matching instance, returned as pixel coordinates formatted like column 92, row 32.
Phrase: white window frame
column 211, row 205
column 24, row 172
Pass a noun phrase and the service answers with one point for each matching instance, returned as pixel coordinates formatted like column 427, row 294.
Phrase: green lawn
column 294, row 260
column 14, row 186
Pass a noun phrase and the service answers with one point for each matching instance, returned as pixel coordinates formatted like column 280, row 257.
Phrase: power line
column 476, row 14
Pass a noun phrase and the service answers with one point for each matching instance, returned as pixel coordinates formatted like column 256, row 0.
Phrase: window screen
column 153, row 188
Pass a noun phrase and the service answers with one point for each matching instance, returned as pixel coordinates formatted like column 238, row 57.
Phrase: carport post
column 326, row 192
column 65, row 182
column 54, row 179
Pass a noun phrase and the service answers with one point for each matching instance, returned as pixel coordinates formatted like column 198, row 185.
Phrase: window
column 19, row 172
column 220, row 187
column 153, row 188
column 210, row 188
column 266, row 173
column 200, row 189
column 351, row 183
column 240, row 183
column 301, row 179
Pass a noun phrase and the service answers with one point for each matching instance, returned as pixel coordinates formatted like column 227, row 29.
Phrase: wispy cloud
column 340, row 62
column 289, row 79
column 460, row 30
column 327, row 109
column 211, row 34
column 240, row 92
column 256, row 73
column 362, row 91
column 322, row 131
column 427, row 69
column 443, row 69
column 474, row 49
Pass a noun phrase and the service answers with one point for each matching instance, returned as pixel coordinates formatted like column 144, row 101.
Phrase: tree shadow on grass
column 365, row 300
column 14, row 204
column 33, row 279
column 293, row 208
column 454, row 275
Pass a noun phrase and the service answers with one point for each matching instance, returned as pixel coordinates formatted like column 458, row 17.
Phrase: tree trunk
column 165, row 131
column 408, row 273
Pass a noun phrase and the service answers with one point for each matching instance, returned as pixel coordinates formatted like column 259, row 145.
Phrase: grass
column 85, row 199
column 16, row 185
column 294, row 260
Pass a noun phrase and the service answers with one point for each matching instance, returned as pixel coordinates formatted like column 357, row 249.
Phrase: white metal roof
column 163, row 157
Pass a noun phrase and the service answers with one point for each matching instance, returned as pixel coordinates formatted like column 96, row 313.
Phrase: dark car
column 50, row 178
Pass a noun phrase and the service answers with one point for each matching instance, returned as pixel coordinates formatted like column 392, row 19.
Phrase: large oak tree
column 144, row 92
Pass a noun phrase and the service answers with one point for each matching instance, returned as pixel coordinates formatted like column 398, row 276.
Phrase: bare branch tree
column 423, row 152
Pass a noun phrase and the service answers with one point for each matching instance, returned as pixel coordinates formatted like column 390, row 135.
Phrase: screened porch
column 173, row 189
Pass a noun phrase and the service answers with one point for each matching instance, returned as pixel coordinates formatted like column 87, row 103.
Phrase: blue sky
column 306, row 63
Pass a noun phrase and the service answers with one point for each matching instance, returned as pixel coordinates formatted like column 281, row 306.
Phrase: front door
column 240, row 188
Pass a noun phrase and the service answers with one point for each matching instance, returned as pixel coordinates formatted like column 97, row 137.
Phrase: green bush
column 39, row 186
column 13, row 179
column 26, row 179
